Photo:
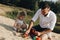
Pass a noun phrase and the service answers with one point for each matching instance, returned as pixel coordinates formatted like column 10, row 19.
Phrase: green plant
column 12, row 14
column 30, row 13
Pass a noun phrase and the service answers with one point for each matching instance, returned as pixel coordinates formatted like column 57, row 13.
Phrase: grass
column 12, row 14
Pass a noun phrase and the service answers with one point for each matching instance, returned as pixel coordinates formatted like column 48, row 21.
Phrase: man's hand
column 37, row 33
column 27, row 32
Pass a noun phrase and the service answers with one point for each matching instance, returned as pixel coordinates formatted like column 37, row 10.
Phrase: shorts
column 38, row 28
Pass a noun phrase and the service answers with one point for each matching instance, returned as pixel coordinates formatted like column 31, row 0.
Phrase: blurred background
column 10, row 9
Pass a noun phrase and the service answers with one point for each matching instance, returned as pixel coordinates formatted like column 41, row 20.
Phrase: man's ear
column 49, row 8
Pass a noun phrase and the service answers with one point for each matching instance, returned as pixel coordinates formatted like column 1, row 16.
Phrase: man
column 47, row 20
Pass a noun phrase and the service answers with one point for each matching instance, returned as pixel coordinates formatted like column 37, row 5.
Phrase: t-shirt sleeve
column 53, row 22
column 35, row 17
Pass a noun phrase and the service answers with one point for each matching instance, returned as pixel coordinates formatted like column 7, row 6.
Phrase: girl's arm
column 24, row 25
column 15, row 24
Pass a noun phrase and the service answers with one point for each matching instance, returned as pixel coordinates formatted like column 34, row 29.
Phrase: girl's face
column 21, row 17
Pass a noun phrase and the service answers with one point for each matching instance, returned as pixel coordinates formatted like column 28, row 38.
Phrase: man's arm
column 30, row 25
column 45, row 31
column 29, row 28
column 34, row 19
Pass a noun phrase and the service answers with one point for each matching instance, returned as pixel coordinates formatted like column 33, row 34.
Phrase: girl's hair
column 20, row 14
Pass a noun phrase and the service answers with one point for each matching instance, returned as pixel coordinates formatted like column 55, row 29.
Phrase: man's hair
column 44, row 5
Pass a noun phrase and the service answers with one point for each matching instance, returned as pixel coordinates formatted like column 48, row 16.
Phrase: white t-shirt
column 19, row 22
column 45, row 21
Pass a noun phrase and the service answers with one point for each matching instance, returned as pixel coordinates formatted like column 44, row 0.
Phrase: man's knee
column 44, row 37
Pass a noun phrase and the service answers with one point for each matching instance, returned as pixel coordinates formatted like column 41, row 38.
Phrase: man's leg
column 50, row 36
column 44, row 37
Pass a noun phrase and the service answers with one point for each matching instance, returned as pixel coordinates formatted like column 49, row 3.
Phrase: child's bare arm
column 15, row 24
column 23, row 25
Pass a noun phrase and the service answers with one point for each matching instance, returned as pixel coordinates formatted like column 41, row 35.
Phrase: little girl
column 20, row 25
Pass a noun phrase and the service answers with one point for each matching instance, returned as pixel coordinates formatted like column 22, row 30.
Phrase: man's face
column 45, row 11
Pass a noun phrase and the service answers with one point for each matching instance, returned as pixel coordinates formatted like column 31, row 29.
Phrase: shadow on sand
column 8, row 27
